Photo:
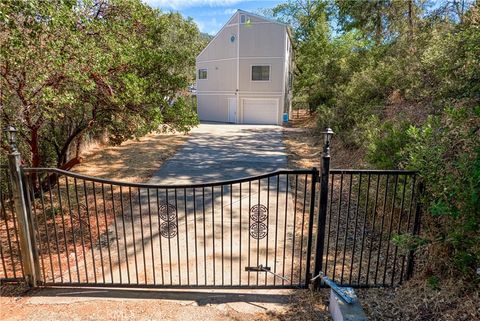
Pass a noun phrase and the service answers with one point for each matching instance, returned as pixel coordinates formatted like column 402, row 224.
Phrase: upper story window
column 244, row 19
column 202, row 73
column 260, row 73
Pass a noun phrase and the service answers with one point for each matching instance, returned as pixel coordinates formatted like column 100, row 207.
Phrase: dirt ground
column 122, row 162
column 17, row 303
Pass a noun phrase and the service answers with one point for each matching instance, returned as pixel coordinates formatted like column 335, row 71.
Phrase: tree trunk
column 34, row 148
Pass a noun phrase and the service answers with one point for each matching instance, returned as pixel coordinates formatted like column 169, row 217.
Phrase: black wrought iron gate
column 272, row 230
column 93, row 231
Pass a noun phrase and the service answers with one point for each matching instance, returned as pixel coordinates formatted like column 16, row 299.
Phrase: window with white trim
column 202, row 73
column 260, row 73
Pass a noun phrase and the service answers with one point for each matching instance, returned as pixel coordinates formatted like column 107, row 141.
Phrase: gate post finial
column 22, row 210
column 11, row 133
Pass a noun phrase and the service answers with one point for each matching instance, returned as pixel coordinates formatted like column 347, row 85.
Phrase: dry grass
column 134, row 160
column 304, row 143
column 304, row 305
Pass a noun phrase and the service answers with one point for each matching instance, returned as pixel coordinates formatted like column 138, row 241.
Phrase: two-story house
column 243, row 74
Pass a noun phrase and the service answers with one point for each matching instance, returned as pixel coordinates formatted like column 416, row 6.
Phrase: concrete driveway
column 218, row 151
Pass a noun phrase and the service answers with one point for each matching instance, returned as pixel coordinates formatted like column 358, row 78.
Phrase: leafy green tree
column 74, row 69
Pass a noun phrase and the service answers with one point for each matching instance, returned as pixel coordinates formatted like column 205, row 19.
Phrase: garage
column 260, row 111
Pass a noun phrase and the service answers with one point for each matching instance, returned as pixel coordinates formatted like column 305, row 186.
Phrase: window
column 202, row 73
column 260, row 73
column 242, row 18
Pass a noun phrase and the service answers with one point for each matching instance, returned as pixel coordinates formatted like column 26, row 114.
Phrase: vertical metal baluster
column 373, row 229
column 390, row 228
column 134, row 241
column 63, row 228
column 204, row 237
column 249, row 225
column 277, row 194
column 90, row 231
column 151, row 235
column 4, row 267
column 116, row 234
column 160, row 235
column 240, row 241
column 268, row 219
column 231, row 235
column 400, row 215
column 195, row 232
column 355, row 228
column 167, row 203
column 178, row 241
column 408, row 224
column 4, row 214
column 31, row 189
column 107, row 231
column 213, row 234
column 329, row 224
column 81, row 228
column 15, row 233
column 143, row 237
column 55, row 228
column 302, row 228
column 294, row 226
column 9, row 240
column 363, row 230
column 124, row 235
column 258, row 239
column 381, row 229
column 285, row 229
column 42, row 198
column 221, row 217
column 186, row 233
column 311, row 216
column 347, row 221
column 72, row 230
column 337, row 233
column 98, row 230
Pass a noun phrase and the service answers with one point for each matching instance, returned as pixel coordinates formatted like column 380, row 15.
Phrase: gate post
column 22, row 211
column 322, row 215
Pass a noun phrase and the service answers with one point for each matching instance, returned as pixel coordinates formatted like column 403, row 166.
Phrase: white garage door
column 260, row 111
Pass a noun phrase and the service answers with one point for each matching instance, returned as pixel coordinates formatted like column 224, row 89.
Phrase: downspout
column 237, row 93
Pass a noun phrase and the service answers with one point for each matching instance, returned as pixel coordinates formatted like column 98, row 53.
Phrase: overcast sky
column 211, row 15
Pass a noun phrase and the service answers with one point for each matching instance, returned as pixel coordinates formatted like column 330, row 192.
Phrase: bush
column 446, row 152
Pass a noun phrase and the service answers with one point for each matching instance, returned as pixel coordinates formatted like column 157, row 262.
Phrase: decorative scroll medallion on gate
column 168, row 214
column 258, row 214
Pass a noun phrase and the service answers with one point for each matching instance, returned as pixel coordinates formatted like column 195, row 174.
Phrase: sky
column 211, row 15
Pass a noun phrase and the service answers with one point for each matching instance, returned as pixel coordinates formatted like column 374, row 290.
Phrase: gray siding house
column 243, row 74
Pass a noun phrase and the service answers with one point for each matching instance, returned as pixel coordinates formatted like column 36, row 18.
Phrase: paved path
column 224, row 151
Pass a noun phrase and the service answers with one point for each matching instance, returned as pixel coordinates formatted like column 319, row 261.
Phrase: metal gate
column 94, row 231
column 279, row 229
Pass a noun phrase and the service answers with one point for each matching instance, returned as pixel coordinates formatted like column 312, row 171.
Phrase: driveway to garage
column 217, row 151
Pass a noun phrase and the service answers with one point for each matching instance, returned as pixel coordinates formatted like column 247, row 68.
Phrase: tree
column 70, row 69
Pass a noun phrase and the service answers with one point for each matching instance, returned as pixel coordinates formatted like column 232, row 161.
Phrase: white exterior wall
column 260, row 42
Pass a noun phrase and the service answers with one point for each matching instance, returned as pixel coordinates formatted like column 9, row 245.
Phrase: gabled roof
column 240, row 11
column 259, row 17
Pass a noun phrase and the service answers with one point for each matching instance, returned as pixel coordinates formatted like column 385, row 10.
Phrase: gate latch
column 259, row 268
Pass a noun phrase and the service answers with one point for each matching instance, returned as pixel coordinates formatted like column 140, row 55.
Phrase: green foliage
column 385, row 143
column 71, row 69
column 402, row 81
column 446, row 152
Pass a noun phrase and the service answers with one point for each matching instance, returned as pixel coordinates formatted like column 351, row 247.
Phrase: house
column 243, row 74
